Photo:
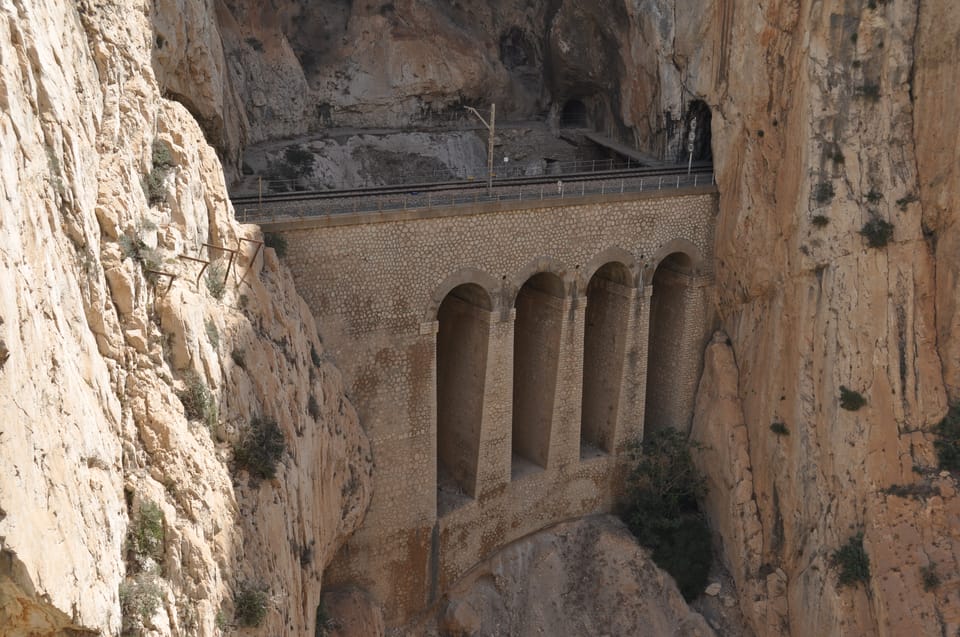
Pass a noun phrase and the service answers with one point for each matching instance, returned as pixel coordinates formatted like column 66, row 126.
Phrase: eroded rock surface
column 104, row 325
column 588, row 577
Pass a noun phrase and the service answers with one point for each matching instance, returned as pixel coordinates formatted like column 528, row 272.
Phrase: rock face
column 816, row 109
column 304, row 66
column 579, row 578
column 106, row 332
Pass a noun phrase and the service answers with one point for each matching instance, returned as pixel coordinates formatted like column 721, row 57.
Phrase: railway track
column 570, row 186
column 466, row 185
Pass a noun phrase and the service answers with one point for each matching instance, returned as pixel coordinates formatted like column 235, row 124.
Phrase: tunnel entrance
column 536, row 348
column 464, row 318
column 665, row 365
column 574, row 114
column 604, row 343
column 698, row 120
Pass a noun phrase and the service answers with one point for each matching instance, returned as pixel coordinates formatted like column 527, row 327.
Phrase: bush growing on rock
column 198, row 403
column 877, row 232
column 140, row 599
column 216, row 281
column 853, row 562
column 947, row 443
column 260, row 447
column 661, row 509
column 145, row 536
column 162, row 165
column 823, row 192
column 851, row 400
column 250, row 605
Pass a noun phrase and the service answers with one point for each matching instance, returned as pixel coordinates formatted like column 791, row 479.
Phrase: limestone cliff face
column 830, row 112
column 97, row 344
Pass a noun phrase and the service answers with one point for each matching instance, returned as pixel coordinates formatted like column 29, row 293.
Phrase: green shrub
column 140, row 599
column 161, row 156
column 213, row 334
column 216, row 281
column 947, row 443
column 276, row 241
column 162, row 165
column 835, row 155
column 250, row 605
column 260, row 447
column 313, row 407
column 869, row 91
column 914, row 490
column 325, row 623
column 851, row 400
column 874, row 196
column 134, row 248
column 779, row 428
column 661, row 509
column 823, row 192
column 853, row 562
column 198, row 402
column 145, row 535
column 820, row 221
column 877, row 232
column 929, row 577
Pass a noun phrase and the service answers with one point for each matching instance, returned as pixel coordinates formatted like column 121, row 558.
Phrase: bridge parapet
column 505, row 195
column 442, row 319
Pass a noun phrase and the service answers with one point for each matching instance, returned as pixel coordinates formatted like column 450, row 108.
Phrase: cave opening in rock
column 697, row 119
column 604, row 342
column 536, row 348
column 574, row 114
column 463, row 332
column 665, row 365
column 516, row 51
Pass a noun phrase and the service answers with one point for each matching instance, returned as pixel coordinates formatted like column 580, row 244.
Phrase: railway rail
column 297, row 204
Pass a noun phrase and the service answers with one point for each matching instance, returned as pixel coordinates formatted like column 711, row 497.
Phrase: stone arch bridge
column 501, row 357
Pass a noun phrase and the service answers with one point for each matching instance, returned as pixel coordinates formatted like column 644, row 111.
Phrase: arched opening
column 665, row 346
column 464, row 318
column 574, row 114
column 604, row 344
column 536, row 347
column 697, row 120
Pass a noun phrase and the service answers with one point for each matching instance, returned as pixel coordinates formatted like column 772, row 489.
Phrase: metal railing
column 413, row 200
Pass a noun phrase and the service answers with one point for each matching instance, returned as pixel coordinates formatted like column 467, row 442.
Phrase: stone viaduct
column 501, row 359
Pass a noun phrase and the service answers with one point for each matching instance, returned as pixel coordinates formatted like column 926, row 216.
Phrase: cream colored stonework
column 375, row 284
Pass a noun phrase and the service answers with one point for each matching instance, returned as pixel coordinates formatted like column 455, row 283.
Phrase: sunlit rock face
column 824, row 116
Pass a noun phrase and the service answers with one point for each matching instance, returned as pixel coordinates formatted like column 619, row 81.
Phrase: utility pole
column 690, row 139
column 492, row 127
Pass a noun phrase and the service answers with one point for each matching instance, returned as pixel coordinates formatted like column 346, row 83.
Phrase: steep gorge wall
column 834, row 109
column 93, row 355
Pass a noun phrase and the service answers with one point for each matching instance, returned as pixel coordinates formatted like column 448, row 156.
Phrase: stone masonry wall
column 375, row 286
